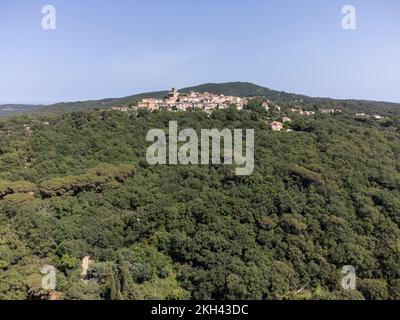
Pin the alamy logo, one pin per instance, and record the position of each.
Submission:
(349, 280)
(49, 18)
(49, 278)
(349, 20)
(191, 153)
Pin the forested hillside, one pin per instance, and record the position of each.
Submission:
(321, 197)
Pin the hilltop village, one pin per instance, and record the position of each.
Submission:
(208, 102)
(177, 101)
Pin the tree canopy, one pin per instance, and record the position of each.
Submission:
(321, 197)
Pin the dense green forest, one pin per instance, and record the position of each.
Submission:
(321, 197)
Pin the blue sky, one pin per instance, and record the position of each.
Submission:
(116, 48)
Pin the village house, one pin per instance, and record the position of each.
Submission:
(122, 108)
(301, 112)
(330, 111)
(364, 115)
(286, 119)
(266, 106)
(325, 111)
(173, 97)
(276, 126)
(151, 104)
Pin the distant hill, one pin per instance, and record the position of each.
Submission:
(241, 89)
(16, 109)
(100, 104)
(244, 89)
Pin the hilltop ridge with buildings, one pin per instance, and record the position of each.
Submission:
(177, 101)
(220, 94)
(208, 102)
